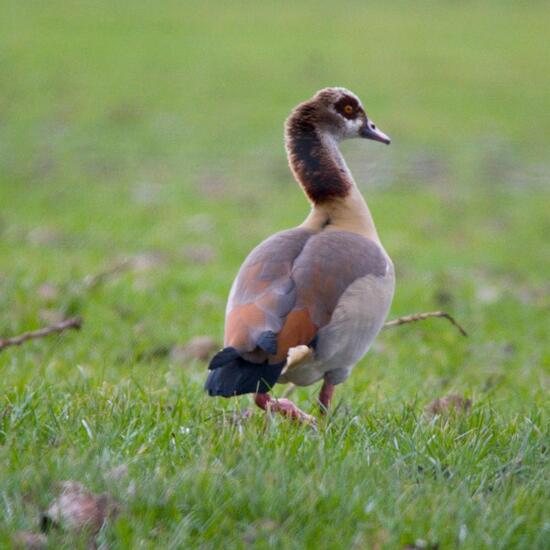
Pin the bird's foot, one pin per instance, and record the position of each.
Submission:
(285, 407)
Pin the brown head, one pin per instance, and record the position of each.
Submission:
(337, 112)
(312, 132)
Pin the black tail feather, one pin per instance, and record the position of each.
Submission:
(232, 375)
(223, 357)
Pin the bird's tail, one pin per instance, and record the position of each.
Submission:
(230, 374)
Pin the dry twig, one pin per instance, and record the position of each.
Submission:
(74, 323)
(421, 317)
(93, 281)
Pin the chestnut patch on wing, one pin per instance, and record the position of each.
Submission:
(242, 323)
(343, 105)
(298, 329)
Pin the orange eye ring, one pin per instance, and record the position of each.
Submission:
(348, 109)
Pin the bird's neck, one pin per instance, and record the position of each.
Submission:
(318, 166)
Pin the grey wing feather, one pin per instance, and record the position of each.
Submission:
(330, 262)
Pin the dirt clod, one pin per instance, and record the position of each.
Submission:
(27, 540)
(443, 406)
(75, 508)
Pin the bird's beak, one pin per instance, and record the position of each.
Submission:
(370, 131)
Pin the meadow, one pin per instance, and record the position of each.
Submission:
(151, 134)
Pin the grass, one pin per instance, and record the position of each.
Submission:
(156, 131)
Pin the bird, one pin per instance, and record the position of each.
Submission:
(308, 302)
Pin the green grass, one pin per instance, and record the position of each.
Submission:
(151, 128)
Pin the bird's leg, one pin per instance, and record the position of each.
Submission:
(325, 396)
(284, 407)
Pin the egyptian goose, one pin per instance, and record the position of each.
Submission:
(308, 302)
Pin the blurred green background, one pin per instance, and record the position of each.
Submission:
(153, 131)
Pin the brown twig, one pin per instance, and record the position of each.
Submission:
(88, 283)
(74, 323)
(421, 317)
(93, 281)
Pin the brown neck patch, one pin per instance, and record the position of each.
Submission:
(311, 162)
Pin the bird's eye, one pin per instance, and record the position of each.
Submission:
(348, 109)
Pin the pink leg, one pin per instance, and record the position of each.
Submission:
(325, 396)
(282, 406)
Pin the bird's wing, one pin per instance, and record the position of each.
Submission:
(264, 292)
(289, 287)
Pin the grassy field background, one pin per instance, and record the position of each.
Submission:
(153, 131)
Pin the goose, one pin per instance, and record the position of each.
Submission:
(308, 302)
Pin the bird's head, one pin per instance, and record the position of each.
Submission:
(339, 112)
